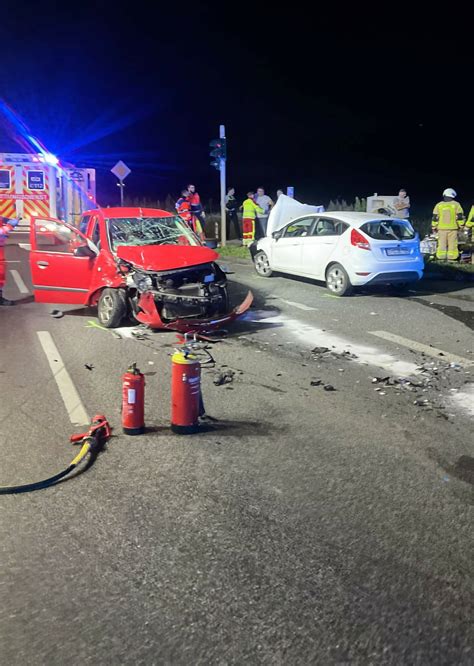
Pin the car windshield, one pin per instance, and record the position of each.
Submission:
(150, 231)
(386, 230)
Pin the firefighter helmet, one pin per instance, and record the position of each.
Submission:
(449, 192)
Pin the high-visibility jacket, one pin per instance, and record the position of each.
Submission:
(470, 218)
(448, 215)
(195, 201)
(183, 208)
(251, 209)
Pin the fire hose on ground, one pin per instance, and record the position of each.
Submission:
(187, 408)
(92, 442)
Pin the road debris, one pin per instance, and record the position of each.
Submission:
(139, 334)
(324, 353)
(316, 382)
(226, 377)
(329, 387)
(89, 366)
(57, 314)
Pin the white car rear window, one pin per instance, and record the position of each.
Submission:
(386, 230)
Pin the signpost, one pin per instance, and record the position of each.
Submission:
(223, 192)
(219, 157)
(121, 171)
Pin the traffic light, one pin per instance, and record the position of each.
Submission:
(218, 152)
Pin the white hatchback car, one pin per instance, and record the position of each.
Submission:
(344, 250)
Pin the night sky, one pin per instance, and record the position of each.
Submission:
(342, 103)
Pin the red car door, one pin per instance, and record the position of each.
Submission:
(57, 273)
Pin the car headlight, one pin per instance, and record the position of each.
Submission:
(143, 282)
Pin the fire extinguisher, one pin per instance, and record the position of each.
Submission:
(133, 401)
(185, 392)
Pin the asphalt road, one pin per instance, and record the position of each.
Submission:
(304, 526)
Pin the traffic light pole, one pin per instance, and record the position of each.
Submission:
(223, 191)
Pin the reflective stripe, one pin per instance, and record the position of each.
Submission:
(448, 215)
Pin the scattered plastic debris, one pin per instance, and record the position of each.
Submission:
(320, 350)
(316, 382)
(226, 377)
(323, 353)
(89, 366)
(139, 335)
(57, 314)
(329, 387)
(380, 380)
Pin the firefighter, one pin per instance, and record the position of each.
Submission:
(6, 225)
(250, 212)
(470, 219)
(448, 218)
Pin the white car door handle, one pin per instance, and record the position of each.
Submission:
(42, 264)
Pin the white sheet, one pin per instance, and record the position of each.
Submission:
(287, 209)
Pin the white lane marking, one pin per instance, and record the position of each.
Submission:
(300, 306)
(465, 400)
(418, 346)
(13, 261)
(69, 394)
(22, 288)
(25, 246)
(316, 337)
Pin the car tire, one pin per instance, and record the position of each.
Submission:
(224, 304)
(112, 307)
(337, 281)
(262, 265)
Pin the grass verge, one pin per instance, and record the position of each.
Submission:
(234, 251)
(449, 270)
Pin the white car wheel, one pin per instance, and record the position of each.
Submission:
(262, 265)
(338, 281)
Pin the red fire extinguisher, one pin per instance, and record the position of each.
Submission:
(185, 392)
(133, 401)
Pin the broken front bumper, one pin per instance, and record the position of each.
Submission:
(148, 314)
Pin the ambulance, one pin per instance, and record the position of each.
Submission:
(35, 185)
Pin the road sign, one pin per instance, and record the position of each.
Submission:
(121, 170)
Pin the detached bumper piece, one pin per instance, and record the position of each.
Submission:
(149, 315)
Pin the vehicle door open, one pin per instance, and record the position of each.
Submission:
(62, 262)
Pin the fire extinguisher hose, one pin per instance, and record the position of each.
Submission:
(92, 443)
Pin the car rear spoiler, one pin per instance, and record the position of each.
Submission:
(149, 315)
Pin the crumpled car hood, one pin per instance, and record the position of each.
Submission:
(165, 257)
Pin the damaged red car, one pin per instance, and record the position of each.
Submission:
(140, 263)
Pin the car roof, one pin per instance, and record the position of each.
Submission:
(131, 212)
(354, 219)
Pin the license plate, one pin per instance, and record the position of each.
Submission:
(397, 251)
